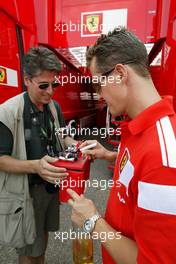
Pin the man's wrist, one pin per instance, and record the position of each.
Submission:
(34, 165)
(110, 156)
(99, 228)
(98, 225)
(89, 223)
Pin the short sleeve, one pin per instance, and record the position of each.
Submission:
(6, 140)
(155, 217)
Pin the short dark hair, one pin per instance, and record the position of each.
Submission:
(119, 46)
(39, 59)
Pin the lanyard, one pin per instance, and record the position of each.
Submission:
(46, 131)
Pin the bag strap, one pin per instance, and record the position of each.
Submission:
(59, 139)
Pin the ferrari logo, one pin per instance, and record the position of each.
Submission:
(124, 160)
(2, 75)
(92, 23)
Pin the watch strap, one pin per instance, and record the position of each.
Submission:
(95, 217)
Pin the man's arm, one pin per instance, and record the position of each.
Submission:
(42, 167)
(12, 165)
(122, 249)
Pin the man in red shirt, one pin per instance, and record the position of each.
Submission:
(142, 206)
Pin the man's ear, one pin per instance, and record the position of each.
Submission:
(121, 71)
(26, 80)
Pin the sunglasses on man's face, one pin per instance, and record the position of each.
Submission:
(98, 86)
(45, 85)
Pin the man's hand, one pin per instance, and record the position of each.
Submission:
(82, 208)
(68, 141)
(49, 172)
(98, 152)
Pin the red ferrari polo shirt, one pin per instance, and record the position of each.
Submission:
(143, 206)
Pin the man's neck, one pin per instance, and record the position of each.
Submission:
(39, 106)
(143, 94)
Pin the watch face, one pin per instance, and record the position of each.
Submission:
(88, 225)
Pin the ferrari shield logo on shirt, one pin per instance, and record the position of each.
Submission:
(124, 160)
(126, 170)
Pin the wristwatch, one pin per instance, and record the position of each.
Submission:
(89, 224)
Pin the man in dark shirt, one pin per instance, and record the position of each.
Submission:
(41, 67)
